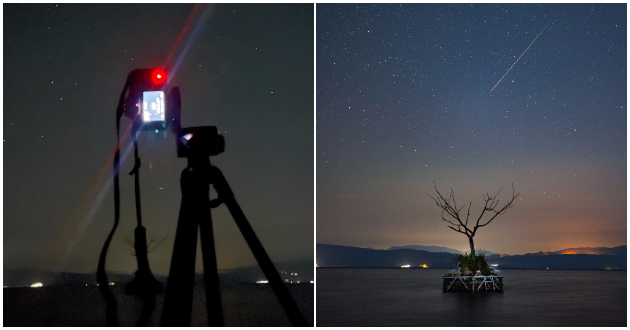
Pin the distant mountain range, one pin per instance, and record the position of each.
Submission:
(577, 258)
(349, 256)
(616, 251)
(301, 271)
(433, 248)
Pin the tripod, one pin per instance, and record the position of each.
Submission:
(195, 213)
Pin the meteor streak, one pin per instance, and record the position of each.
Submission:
(495, 86)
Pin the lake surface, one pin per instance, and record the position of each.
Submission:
(243, 305)
(414, 297)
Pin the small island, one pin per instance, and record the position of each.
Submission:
(474, 275)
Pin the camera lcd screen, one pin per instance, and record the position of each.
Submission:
(153, 106)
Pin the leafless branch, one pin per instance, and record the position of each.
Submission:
(149, 249)
(151, 245)
(451, 210)
(449, 206)
(129, 242)
(493, 208)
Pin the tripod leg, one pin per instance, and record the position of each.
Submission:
(271, 273)
(180, 283)
(210, 271)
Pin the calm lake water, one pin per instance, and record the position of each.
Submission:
(414, 297)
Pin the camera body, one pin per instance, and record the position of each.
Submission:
(146, 102)
(151, 108)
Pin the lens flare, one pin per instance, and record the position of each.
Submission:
(189, 38)
(67, 236)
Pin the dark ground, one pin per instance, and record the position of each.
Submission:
(243, 305)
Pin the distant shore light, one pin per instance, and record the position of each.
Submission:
(37, 285)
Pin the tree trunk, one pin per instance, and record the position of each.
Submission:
(472, 245)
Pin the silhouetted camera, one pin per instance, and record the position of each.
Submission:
(146, 103)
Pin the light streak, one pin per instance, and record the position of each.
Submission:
(64, 241)
(188, 38)
(184, 32)
(495, 86)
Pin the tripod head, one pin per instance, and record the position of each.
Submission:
(200, 141)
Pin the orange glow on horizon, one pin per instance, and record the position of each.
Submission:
(580, 251)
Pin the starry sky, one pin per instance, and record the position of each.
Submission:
(247, 69)
(404, 98)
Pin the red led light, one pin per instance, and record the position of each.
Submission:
(158, 76)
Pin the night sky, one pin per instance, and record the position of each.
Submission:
(247, 69)
(404, 99)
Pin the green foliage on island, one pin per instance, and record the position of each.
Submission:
(470, 263)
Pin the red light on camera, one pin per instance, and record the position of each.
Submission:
(158, 76)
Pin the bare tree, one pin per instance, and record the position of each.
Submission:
(449, 206)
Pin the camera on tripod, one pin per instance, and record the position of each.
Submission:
(152, 109)
(146, 102)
